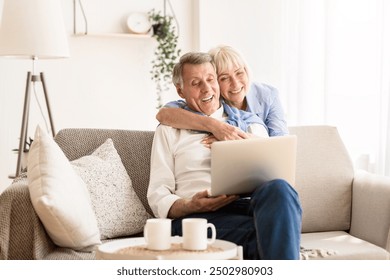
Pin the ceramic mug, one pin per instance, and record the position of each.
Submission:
(157, 234)
(195, 234)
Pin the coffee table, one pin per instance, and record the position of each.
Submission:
(135, 249)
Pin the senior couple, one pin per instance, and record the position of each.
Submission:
(268, 223)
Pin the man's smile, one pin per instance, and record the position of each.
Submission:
(208, 99)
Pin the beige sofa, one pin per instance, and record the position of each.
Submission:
(346, 214)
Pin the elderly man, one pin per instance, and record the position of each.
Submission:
(267, 224)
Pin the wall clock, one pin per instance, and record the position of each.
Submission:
(138, 23)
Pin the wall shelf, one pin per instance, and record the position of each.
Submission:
(86, 33)
(114, 35)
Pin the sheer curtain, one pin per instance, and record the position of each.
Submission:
(336, 71)
(385, 144)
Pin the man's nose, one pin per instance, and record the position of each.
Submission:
(206, 87)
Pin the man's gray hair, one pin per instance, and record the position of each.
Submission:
(195, 58)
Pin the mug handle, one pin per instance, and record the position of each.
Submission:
(146, 233)
(213, 234)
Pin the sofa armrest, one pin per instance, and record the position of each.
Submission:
(22, 235)
(371, 208)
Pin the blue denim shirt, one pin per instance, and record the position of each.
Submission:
(263, 100)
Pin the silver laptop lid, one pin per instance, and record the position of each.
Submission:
(238, 166)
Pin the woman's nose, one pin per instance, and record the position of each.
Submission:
(234, 82)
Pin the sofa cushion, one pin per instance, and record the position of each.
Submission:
(339, 245)
(118, 209)
(324, 174)
(59, 196)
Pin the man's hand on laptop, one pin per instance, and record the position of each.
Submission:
(200, 202)
(208, 140)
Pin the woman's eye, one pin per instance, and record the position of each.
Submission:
(223, 79)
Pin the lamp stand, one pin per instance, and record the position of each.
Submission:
(26, 108)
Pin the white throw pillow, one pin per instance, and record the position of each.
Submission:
(60, 197)
(118, 209)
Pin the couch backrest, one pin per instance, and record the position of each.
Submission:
(134, 148)
(323, 179)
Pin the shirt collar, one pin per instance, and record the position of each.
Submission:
(219, 114)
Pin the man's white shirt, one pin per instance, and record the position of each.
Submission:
(180, 164)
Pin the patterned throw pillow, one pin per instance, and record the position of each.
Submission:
(119, 211)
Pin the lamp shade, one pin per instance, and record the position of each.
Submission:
(33, 29)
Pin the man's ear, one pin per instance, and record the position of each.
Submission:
(179, 91)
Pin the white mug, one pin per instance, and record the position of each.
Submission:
(195, 234)
(157, 234)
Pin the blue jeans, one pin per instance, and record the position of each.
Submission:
(267, 224)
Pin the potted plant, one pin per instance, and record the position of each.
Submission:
(166, 53)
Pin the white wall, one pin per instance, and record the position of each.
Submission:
(104, 84)
(251, 26)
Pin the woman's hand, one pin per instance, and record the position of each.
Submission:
(223, 131)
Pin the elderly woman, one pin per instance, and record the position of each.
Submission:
(238, 91)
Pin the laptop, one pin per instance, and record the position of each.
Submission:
(238, 166)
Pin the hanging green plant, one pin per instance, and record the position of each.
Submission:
(166, 53)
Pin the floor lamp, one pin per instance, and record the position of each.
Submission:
(33, 29)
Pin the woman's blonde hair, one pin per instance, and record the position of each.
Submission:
(225, 57)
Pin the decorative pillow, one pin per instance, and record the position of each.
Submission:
(118, 209)
(60, 197)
